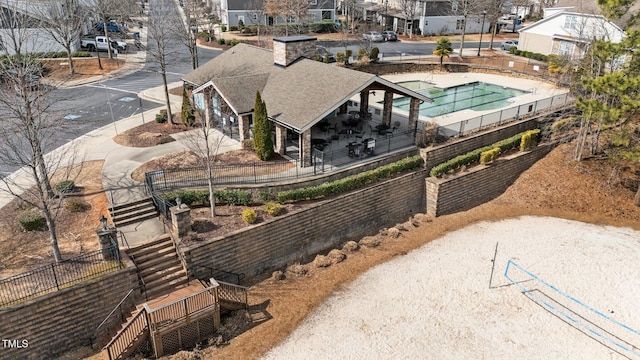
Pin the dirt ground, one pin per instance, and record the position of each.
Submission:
(58, 69)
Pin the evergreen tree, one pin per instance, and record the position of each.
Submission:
(262, 143)
(188, 118)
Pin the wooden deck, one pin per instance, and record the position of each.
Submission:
(178, 293)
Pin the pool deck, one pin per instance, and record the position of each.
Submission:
(537, 90)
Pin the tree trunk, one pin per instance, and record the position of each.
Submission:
(53, 238)
(166, 95)
(464, 31)
(636, 199)
(72, 70)
(212, 197)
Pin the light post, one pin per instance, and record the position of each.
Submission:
(484, 14)
(384, 20)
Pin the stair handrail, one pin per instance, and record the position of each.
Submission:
(239, 277)
(176, 247)
(233, 293)
(143, 285)
(119, 306)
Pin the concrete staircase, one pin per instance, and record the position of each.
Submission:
(158, 266)
(133, 212)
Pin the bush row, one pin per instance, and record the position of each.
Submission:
(223, 197)
(351, 182)
(473, 157)
(232, 42)
(528, 54)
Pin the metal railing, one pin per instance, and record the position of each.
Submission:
(218, 274)
(233, 174)
(503, 116)
(108, 328)
(57, 276)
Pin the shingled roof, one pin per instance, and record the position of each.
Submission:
(297, 96)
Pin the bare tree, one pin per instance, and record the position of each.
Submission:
(205, 143)
(287, 9)
(467, 8)
(187, 31)
(113, 9)
(409, 8)
(29, 126)
(494, 9)
(163, 20)
(64, 22)
(255, 10)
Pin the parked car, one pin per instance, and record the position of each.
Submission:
(111, 27)
(99, 43)
(323, 51)
(388, 35)
(372, 36)
(507, 44)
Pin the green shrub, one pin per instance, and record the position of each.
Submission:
(161, 117)
(473, 157)
(373, 54)
(561, 125)
(204, 35)
(76, 205)
(31, 220)
(223, 197)
(351, 182)
(249, 216)
(489, 155)
(65, 186)
(234, 42)
(322, 27)
(265, 196)
(362, 52)
(221, 41)
(223, 28)
(233, 28)
(233, 197)
(240, 24)
(348, 53)
(274, 209)
(529, 139)
(340, 57)
(81, 54)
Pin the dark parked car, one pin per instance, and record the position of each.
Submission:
(388, 35)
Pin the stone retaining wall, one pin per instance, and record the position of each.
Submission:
(471, 188)
(269, 246)
(57, 322)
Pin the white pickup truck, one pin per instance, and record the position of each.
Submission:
(100, 43)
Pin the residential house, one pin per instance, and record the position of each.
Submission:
(298, 92)
(251, 12)
(34, 39)
(567, 33)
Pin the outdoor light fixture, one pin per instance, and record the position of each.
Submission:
(103, 221)
(484, 14)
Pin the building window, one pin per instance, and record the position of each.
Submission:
(459, 24)
(565, 48)
(571, 22)
(291, 19)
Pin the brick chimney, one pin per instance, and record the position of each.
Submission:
(288, 49)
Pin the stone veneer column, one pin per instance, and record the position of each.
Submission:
(244, 127)
(305, 148)
(364, 103)
(107, 237)
(281, 139)
(181, 220)
(414, 111)
(388, 105)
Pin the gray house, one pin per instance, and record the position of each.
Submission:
(251, 12)
(299, 92)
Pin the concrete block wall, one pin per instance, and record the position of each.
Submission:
(466, 190)
(60, 321)
(298, 236)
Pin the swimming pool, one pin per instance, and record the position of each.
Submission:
(474, 96)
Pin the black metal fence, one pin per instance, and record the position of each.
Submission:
(57, 276)
(233, 174)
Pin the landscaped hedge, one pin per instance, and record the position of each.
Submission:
(350, 183)
(489, 155)
(529, 139)
(528, 54)
(223, 197)
(31, 220)
(473, 157)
